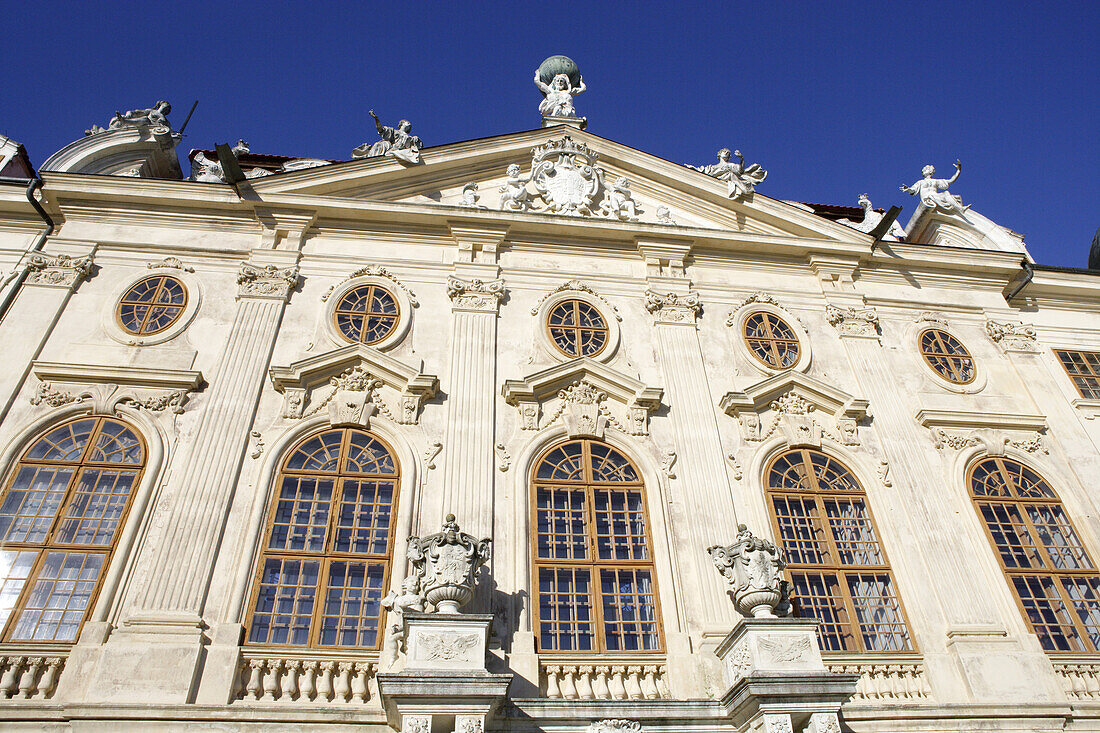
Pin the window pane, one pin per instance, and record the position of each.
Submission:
(96, 506)
(366, 314)
(819, 596)
(629, 616)
(1084, 594)
(1058, 537)
(1083, 367)
(59, 596)
(801, 530)
(301, 514)
(560, 517)
(564, 463)
(1047, 613)
(65, 443)
(565, 610)
(32, 503)
(363, 518)
(609, 464)
(284, 604)
(853, 533)
(353, 603)
(878, 613)
(116, 443)
(1010, 535)
(15, 568)
(620, 525)
(319, 453)
(367, 454)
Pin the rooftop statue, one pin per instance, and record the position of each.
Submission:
(513, 194)
(928, 190)
(396, 141)
(740, 180)
(470, 197)
(157, 116)
(618, 201)
(559, 80)
(871, 219)
(209, 170)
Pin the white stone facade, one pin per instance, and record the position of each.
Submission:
(468, 390)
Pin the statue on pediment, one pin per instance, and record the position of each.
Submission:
(398, 142)
(933, 193)
(156, 116)
(740, 179)
(513, 194)
(871, 219)
(470, 197)
(618, 201)
(559, 95)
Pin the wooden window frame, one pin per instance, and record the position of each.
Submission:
(574, 331)
(366, 315)
(836, 568)
(46, 547)
(945, 340)
(771, 340)
(1091, 378)
(592, 563)
(326, 557)
(153, 306)
(1047, 570)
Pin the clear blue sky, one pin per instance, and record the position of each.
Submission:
(834, 99)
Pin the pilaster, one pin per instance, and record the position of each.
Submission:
(51, 279)
(166, 619)
(701, 484)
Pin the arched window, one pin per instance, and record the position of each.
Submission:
(1049, 570)
(840, 573)
(771, 340)
(62, 512)
(327, 543)
(577, 328)
(593, 559)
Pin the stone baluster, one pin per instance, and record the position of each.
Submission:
(306, 684)
(271, 679)
(633, 685)
(27, 683)
(649, 682)
(553, 691)
(359, 683)
(255, 673)
(343, 681)
(662, 682)
(324, 686)
(615, 683)
(599, 684)
(584, 682)
(11, 675)
(372, 683)
(288, 689)
(568, 689)
(49, 677)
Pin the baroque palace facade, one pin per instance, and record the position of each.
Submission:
(238, 409)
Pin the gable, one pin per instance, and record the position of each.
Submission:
(693, 199)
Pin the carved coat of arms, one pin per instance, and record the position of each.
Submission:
(566, 176)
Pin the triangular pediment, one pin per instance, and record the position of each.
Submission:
(822, 396)
(694, 200)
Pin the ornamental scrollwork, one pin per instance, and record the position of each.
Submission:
(753, 569)
(851, 321)
(758, 297)
(579, 286)
(1014, 335)
(447, 563)
(267, 281)
(377, 271)
(615, 725)
(673, 307)
(171, 263)
(475, 294)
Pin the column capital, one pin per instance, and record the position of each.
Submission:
(475, 294)
(857, 321)
(266, 281)
(57, 270)
(673, 308)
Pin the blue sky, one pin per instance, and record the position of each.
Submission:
(834, 99)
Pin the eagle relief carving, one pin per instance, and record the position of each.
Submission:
(792, 649)
(447, 647)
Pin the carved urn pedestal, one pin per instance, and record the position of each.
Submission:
(778, 682)
(445, 684)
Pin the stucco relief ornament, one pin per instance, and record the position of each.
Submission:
(615, 725)
(397, 142)
(753, 568)
(475, 293)
(853, 321)
(43, 269)
(619, 202)
(1011, 335)
(566, 176)
(933, 193)
(740, 180)
(447, 563)
(681, 308)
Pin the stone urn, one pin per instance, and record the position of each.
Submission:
(753, 569)
(447, 563)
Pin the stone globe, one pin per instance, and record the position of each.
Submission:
(555, 65)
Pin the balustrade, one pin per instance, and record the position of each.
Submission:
(28, 676)
(899, 679)
(590, 680)
(305, 679)
(1080, 678)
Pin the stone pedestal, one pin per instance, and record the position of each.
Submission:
(445, 683)
(578, 122)
(778, 682)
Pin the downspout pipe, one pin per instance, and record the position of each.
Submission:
(20, 273)
(1029, 272)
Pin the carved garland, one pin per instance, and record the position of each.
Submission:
(577, 285)
(377, 271)
(993, 440)
(802, 420)
(757, 297)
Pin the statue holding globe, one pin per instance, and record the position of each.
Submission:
(559, 80)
